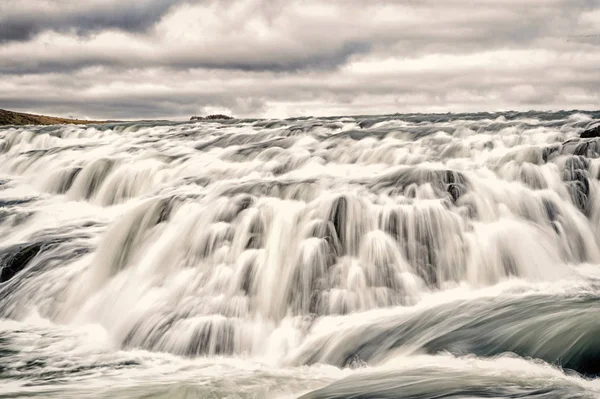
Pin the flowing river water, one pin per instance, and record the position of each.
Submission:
(400, 256)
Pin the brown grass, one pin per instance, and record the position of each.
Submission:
(19, 118)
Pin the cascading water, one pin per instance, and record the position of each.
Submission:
(404, 256)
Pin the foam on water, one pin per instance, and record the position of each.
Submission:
(396, 256)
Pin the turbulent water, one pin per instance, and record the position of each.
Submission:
(401, 256)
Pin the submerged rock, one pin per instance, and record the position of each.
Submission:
(585, 147)
(576, 178)
(16, 259)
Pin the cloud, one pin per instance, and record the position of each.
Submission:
(281, 58)
(21, 20)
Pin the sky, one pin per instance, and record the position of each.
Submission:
(171, 59)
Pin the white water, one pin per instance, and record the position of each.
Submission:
(271, 258)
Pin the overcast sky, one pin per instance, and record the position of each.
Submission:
(279, 58)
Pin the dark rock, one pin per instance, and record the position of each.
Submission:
(455, 191)
(551, 210)
(5, 203)
(591, 133)
(576, 178)
(16, 259)
(581, 149)
(326, 231)
(247, 270)
(256, 234)
(588, 148)
(166, 208)
(548, 152)
(575, 163)
(211, 117)
(338, 217)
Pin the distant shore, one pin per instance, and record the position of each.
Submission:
(19, 118)
(8, 118)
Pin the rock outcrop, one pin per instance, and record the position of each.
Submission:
(211, 117)
(591, 133)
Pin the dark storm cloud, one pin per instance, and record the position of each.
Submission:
(109, 59)
(23, 21)
(321, 61)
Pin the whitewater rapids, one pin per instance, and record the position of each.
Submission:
(400, 256)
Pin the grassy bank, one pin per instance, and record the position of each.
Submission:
(19, 118)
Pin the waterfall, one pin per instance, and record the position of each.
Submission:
(362, 245)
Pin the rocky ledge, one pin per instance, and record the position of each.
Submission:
(211, 117)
